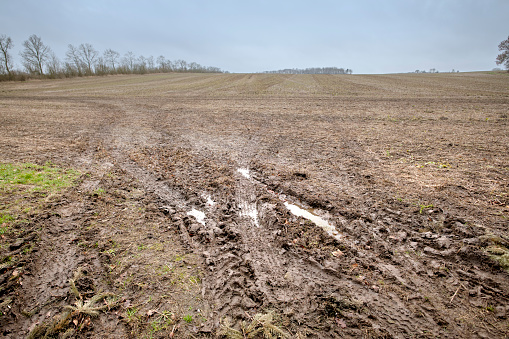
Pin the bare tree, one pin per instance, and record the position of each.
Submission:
(161, 61)
(101, 66)
(5, 57)
(111, 57)
(35, 54)
(88, 56)
(74, 59)
(194, 67)
(129, 60)
(150, 62)
(54, 65)
(181, 65)
(142, 64)
(503, 58)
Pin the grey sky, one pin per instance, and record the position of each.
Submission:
(368, 36)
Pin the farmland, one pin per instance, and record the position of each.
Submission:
(410, 170)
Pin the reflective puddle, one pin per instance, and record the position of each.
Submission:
(250, 210)
(244, 172)
(307, 214)
(210, 202)
(198, 215)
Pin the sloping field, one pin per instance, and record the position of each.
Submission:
(207, 205)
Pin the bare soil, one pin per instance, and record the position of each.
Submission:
(412, 170)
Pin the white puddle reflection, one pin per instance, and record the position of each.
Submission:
(198, 215)
(249, 210)
(300, 212)
(244, 172)
(210, 202)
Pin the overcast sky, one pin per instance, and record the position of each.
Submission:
(368, 36)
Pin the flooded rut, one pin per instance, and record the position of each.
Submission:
(198, 215)
(297, 209)
(310, 215)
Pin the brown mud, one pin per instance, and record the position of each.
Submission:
(411, 170)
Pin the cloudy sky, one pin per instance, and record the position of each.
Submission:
(368, 36)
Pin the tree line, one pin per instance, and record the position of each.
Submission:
(313, 70)
(38, 60)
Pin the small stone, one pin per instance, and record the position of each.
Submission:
(337, 253)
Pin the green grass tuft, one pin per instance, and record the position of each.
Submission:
(32, 178)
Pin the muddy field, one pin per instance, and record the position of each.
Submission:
(183, 220)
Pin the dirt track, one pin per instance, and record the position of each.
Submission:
(412, 171)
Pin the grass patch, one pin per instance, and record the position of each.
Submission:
(32, 178)
(6, 218)
(499, 254)
(25, 186)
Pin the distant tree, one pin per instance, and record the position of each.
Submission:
(101, 66)
(35, 54)
(314, 70)
(88, 56)
(503, 58)
(181, 65)
(74, 61)
(161, 62)
(54, 65)
(194, 67)
(142, 64)
(129, 60)
(111, 57)
(5, 57)
(150, 63)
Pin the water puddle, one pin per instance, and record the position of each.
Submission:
(210, 202)
(198, 215)
(249, 210)
(307, 214)
(298, 210)
(244, 172)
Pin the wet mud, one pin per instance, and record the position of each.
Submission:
(205, 201)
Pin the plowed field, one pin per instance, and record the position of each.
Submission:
(179, 222)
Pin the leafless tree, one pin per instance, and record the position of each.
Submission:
(150, 62)
(88, 56)
(5, 57)
(181, 65)
(74, 60)
(161, 62)
(503, 58)
(101, 66)
(54, 65)
(313, 70)
(111, 57)
(194, 67)
(35, 54)
(129, 60)
(142, 65)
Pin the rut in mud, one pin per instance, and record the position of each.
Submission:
(186, 209)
